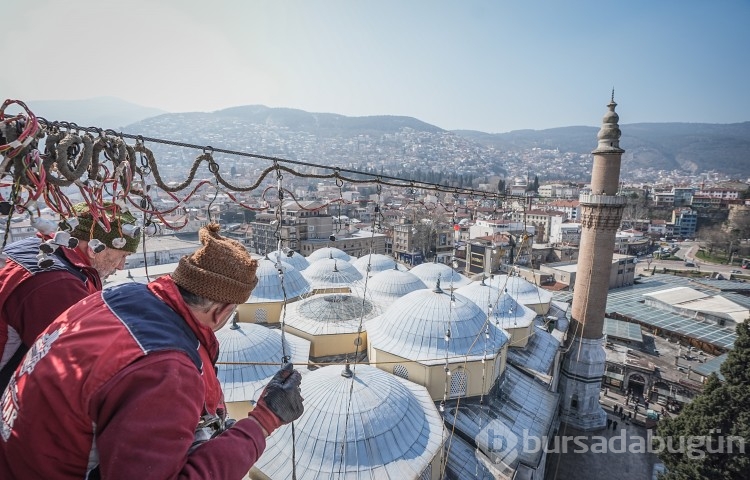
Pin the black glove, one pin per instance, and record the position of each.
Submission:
(281, 400)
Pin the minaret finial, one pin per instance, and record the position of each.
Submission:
(613, 94)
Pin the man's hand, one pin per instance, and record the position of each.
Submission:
(281, 400)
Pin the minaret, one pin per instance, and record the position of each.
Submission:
(601, 212)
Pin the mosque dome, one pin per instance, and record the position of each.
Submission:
(296, 260)
(429, 273)
(415, 326)
(250, 354)
(331, 313)
(328, 252)
(482, 293)
(378, 262)
(269, 283)
(331, 273)
(386, 286)
(374, 425)
(523, 291)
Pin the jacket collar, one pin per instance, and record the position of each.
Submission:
(167, 291)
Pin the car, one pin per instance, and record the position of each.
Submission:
(736, 271)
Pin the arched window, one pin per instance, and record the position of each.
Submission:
(459, 379)
(401, 371)
(261, 315)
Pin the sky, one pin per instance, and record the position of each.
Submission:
(494, 66)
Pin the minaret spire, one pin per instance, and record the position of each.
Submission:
(601, 212)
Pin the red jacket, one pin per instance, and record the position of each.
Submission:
(31, 297)
(116, 387)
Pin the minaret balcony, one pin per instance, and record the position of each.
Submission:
(610, 200)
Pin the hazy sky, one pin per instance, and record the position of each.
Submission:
(486, 65)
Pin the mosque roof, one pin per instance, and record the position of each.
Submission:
(330, 314)
(430, 272)
(415, 326)
(507, 312)
(524, 291)
(331, 273)
(388, 285)
(521, 406)
(373, 425)
(269, 287)
(328, 252)
(296, 260)
(378, 263)
(250, 355)
(538, 354)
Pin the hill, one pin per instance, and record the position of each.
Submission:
(103, 112)
(690, 147)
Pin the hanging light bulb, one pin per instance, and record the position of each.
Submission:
(453, 300)
(487, 332)
(448, 335)
(442, 406)
(132, 231)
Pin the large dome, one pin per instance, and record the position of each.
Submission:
(373, 425)
(483, 293)
(430, 272)
(328, 252)
(524, 291)
(295, 259)
(269, 283)
(329, 314)
(249, 355)
(378, 263)
(331, 273)
(386, 286)
(414, 327)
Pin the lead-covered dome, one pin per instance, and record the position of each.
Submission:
(524, 291)
(377, 262)
(331, 313)
(331, 273)
(328, 252)
(292, 258)
(429, 273)
(373, 425)
(269, 288)
(386, 286)
(490, 296)
(249, 355)
(414, 327)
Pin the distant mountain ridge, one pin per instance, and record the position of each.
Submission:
(102, 112)
(689, 147)
(326, 124)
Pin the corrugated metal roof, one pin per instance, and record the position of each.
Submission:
(269, 283)
(328, 252)
(378, 263)
(330, 314)
(430, 272)
(711, 366)
(414, 327)
(371, 426)
(331, 273)
(622, 330)
(250, 355)
(673, 296)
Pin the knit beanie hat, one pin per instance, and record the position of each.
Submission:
(86, 220)
(221, 270)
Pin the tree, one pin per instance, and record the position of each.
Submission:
(535, 185)
(720, 416)
(501, 186)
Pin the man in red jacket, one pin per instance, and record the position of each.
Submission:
(123, 384)
(33, 293)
